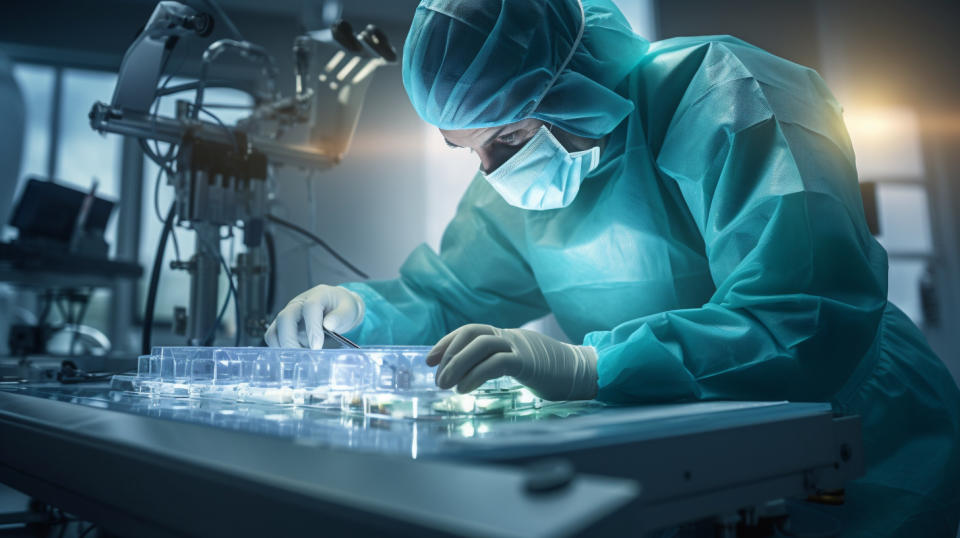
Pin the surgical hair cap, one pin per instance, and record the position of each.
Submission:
(482, 63)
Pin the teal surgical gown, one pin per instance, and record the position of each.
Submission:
(719, 251)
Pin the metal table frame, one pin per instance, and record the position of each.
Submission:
(152, 477)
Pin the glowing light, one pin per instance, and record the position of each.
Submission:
(414, 442)
(337, 58)
(365, 71)
(347, 68)
(525, 396)
(886, 142)
(467, 403)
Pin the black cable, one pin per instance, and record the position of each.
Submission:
(156, 194)
(158, 94)
(156, 190)
(187, 86)
(316, 239)
(173, 151)
(272, 262)
(87, 531)
(64, 311)
(229, 133)
(78, 321)
(155, 282)
(228, 106)
(160, 161)
(47, 299)
(163, 163)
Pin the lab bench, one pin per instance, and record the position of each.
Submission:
(152, 465)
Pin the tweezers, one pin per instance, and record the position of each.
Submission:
(340, 339)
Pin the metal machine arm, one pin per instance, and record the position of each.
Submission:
(221, 172)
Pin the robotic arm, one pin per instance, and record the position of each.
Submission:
(221, 172)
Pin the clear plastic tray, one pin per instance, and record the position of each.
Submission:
(388, 382)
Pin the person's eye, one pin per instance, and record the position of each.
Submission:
(452, 145)
(515, 138)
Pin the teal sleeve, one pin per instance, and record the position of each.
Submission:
(758, 151)
(478, 277)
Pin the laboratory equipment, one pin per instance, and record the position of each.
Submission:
(53, 216)
(219, 173)
(387, 382)
(61, 255)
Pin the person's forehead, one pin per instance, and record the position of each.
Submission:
(483, 135)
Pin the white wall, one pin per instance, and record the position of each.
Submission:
(370, 208)
(641, 15)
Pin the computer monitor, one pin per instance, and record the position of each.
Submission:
(48, 210)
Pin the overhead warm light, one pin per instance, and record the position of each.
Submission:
(886, 142)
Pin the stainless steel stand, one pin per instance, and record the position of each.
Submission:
(204, 283)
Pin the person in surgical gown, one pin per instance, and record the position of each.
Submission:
(688, 210)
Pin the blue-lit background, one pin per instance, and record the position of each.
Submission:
(890, 65)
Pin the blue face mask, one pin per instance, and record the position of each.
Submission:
(543, 174)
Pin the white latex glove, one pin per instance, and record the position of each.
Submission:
(336, 308)
(553, 370)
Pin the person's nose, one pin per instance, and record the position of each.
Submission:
(487, 161)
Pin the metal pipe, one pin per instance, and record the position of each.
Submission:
(204, 283)
(247, 50)
(252, 275)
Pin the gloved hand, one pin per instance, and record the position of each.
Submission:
(336, 308)
(553, 370)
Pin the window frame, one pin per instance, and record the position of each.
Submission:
(122, 318)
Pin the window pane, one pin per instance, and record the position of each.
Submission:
(447, 175)
(904, 286)
(213, 98)
(640, 15)
(36, 85)
(904, 218)
(228, 114)
(83, 154)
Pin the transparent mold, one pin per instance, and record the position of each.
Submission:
(383, 382)
(446, 403)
